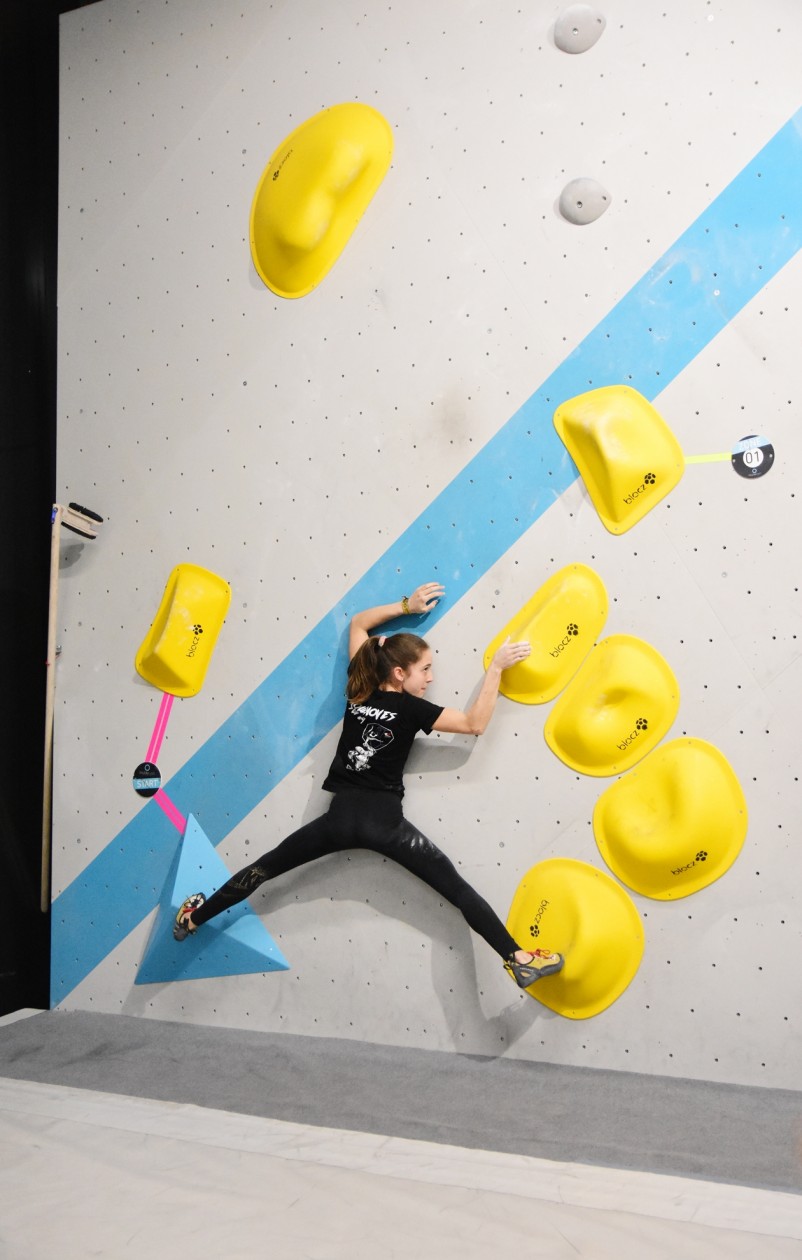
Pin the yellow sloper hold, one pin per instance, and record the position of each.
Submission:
(313, 192)
(176, 651)
(615, 710)
(582, 913)
(625, 452)
(562, 621)
(676, 823)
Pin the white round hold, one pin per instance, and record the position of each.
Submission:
(583, 201)
(578, 28)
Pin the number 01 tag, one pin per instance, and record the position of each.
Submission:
(753, 456)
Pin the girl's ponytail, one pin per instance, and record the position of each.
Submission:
(364, 675)
(374, 662)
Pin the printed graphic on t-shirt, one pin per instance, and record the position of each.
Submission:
(375, 736)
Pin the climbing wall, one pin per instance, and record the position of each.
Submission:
(575, 200)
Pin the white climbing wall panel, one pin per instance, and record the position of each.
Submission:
(287, 446)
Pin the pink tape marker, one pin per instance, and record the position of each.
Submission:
(176, 817)
(159, 729)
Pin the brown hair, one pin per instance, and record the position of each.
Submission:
(375, 660)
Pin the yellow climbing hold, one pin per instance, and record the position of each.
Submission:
(562, 621)
(616, 709)
(313, 192)
(674, 824)
(582, 913)
(176, 651)
(625, 452)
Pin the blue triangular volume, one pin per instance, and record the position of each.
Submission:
(233, 944)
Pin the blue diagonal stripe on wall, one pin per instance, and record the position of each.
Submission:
(748, 233)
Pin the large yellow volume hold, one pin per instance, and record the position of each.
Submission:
(313, 192)
(625, 452)
(561, 621)
(583, 914)
(675, 823)
(616, 709)
(176, 651)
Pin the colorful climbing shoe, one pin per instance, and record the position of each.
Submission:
(183, 926)
(544, 963)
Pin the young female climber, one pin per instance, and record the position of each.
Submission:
(387, 680)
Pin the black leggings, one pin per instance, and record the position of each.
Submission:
(366, 820)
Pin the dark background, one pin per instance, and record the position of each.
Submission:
(29, 46)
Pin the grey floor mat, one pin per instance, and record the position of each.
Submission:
(726, 1133)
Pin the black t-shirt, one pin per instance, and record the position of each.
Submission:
(375, 741)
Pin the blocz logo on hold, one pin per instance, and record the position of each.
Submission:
(277, 171)
(571, 632)
(534, 930)
(648, 480)
(197, 631)
(701, 856)
(640, 726)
